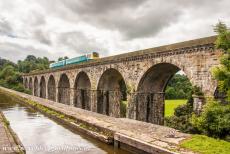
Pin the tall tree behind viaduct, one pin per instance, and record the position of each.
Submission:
(144, 74)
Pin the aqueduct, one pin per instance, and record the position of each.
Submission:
(139, 77)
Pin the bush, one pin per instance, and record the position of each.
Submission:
(214, 120)
(181, 119)
(20, 88)
(182, 115)
(181, 123)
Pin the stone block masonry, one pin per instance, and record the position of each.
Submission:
(138, 79)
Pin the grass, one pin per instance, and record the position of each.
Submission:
(170, 105)
(206, 145)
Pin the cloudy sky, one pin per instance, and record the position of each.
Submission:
(55, 28)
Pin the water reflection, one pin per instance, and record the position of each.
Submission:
(41, 135)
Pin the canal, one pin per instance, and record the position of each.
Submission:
(41, 135)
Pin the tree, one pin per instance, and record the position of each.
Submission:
(4, 62)
(32, 63)
(62, 58)
(222, 73)
(31, 58)
(179, 87)
(215, 118)
(10, 73)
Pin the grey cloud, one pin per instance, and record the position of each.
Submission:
(137, 18)
(36, 19)
(42, 37)
(100, 6)
(5, 27)
(15, 52)
(132, 18)
(80, 44)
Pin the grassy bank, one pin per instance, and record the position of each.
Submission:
(206, 145)
(170, 105)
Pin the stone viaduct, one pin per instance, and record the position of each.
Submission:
(139, 77)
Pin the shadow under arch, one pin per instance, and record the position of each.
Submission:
(150, 95)
(51, 88)
(31, 84)
(26, 83)
(35, 86)
(111, 92)
(64, 90)
(82, 91)
(43, 87)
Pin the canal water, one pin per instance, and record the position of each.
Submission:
(41, 135)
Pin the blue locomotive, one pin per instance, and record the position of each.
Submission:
(75, 60)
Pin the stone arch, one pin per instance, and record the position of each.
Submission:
(156, 77)
(111, 91)
(31, 84)
(35, 86)
(43, 87)
(149, 98)
(82, 91)
(26, 83)
(51, 88)
(64, 89)
(186, 68)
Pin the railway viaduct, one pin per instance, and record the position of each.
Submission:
(139, 77)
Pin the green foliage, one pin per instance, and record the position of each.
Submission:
(214, 120)
(223, 39)
(62, 58)
(179, 87)
(31, 63)
(182, 115)
(206, 145)
(222, 73)
(181, 123)
(10, 73)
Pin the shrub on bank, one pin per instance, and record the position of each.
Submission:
(21, 88)
(182, 115)
(214, 120)
(18, 87)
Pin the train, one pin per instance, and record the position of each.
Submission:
(75, 60)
